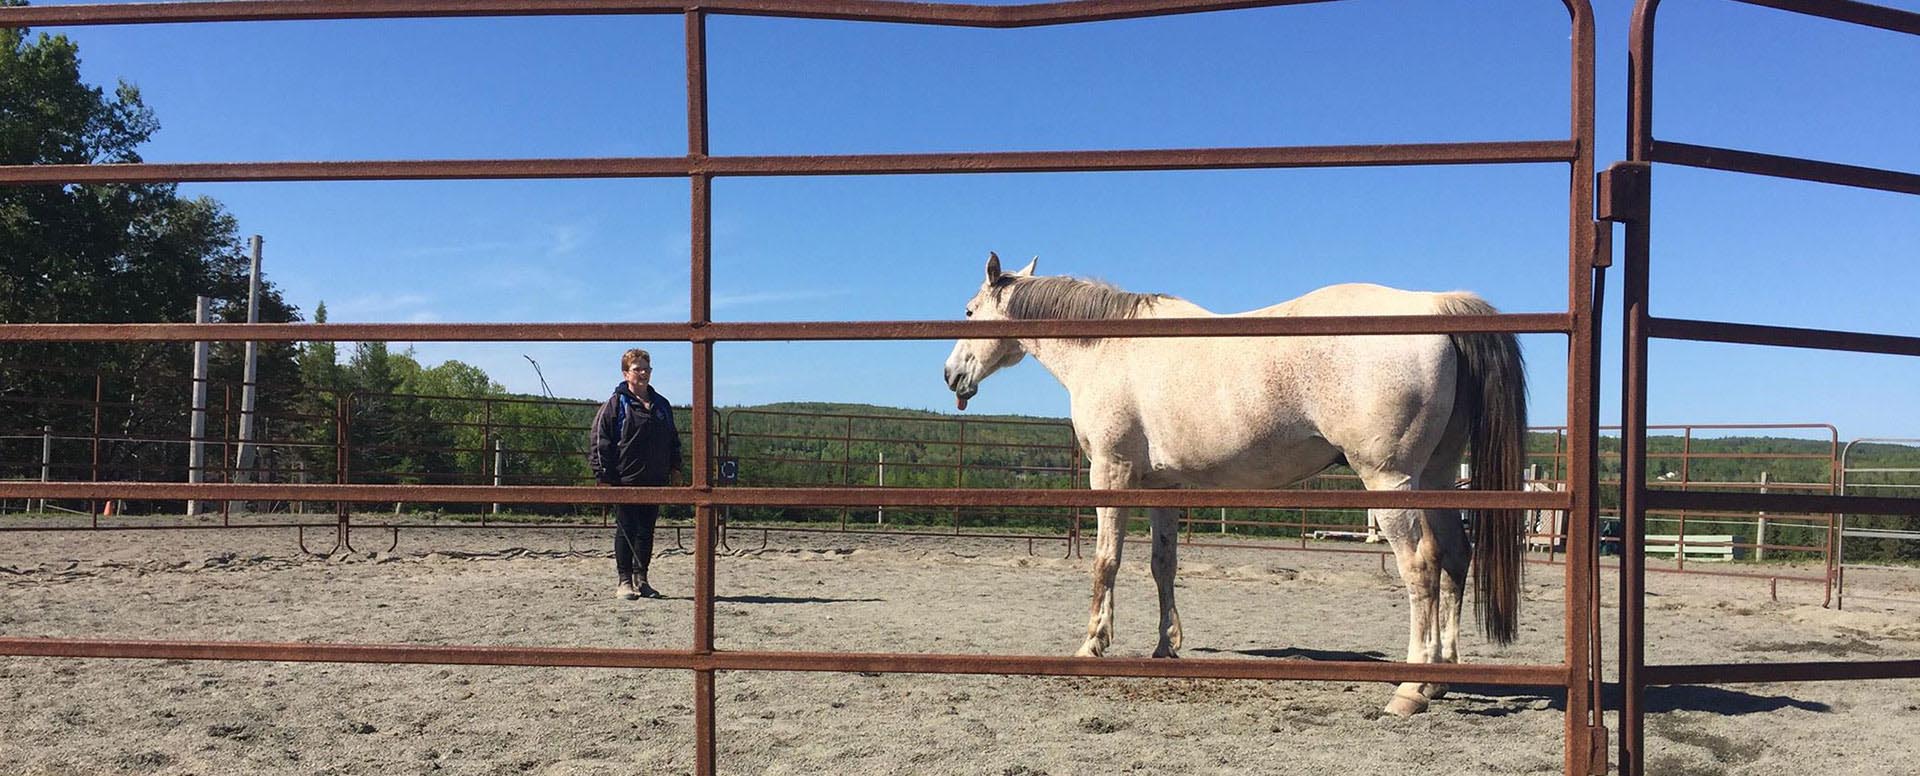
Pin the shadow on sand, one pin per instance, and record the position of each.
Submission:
(1659, 700)
(1717, 700)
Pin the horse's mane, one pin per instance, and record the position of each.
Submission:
(1062, 297)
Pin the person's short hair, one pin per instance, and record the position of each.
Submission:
(632, 356)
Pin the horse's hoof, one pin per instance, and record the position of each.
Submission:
(1433, 692)
(1089, 649)
(1167, 652)
(1406, 704)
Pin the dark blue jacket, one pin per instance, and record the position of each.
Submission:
(632, 445)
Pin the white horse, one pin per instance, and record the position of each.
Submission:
(1267, 412)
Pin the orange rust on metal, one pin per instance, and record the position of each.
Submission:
(1730, 160)
(989, 16)
(1864, 14)
(1782, 336)
(1511, 152)
(1806, 503)
(728, 660)
(1578, 323)
(1516, 323)
(799, 497)
(1640, 326)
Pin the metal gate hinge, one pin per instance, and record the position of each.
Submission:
(1624, 194)
(1602, 246)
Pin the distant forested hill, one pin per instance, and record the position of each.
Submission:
(843, 444)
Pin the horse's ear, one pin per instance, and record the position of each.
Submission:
(1027, 272)
(993, 267)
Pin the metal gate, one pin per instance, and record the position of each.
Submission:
(1884, 481)
(1576, 674)
(1625, 196)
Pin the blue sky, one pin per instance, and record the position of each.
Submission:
(911, 247)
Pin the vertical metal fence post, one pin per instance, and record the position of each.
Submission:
(99, 390)
(342, 450)
(499, 465)
(197, 426)
(46, 460)
(700, 171)
(1584, 719)
(960, 470)
(1633, 420)
(249, 389)
(846, 467)
(700, 311)
(226, 450)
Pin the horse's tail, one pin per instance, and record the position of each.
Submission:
(1492, 392)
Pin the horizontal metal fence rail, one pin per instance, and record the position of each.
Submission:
(707, 333)
(820, 165)
(1752, 163)
(1010, 16)
(798, 497)
(1584, 731)
(1626, 198)
(746, 660)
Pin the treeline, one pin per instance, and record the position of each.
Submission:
(823, 444)
(447, 424)
(107, 253)
(837, 444)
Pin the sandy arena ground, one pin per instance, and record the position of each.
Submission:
(868, 594)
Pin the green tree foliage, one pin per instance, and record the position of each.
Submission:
(109, 253)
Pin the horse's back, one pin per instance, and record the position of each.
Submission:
(1364, 299)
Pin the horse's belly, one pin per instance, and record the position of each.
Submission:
(1268, 464)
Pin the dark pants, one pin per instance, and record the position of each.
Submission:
(633, 538)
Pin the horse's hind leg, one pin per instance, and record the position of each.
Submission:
(1105, 474)
(1414, 551)
(1166, 546)
(1450, 543)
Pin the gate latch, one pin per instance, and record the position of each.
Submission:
(1597, 762)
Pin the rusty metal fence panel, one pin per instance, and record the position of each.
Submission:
(1577, 674)
(1625, 197)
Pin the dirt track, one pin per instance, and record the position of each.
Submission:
(858, 594)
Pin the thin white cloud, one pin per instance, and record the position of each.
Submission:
(565, 239)
(379, 304)
(723, 301)
(429, 251)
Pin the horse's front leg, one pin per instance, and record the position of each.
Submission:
(1105, 475)
(1166, 563)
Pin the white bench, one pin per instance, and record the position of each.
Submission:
(1710, 547)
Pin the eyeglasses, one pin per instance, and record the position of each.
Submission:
(646, 369)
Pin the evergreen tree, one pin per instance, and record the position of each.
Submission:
(108, 254)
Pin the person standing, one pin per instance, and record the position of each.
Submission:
(634, 443)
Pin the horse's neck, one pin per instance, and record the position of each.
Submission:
(1065, 359)
(1071, 359)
